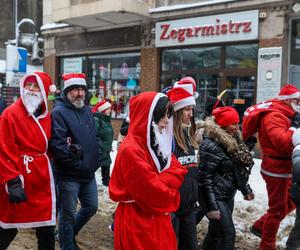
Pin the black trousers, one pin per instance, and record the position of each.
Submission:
(221, 233)
(293, 241)
(105, 173)
(45, 236)
(185, 230)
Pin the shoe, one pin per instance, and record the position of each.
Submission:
(255, 231)
(111, 227)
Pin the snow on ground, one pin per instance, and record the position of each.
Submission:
(246, 212)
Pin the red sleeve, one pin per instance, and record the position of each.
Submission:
(9, 151)
(277, 129)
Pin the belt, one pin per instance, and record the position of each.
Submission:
(275, 174)
(282, 158)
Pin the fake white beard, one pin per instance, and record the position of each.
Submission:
(32, 100)
(295, 107)
(164, 141)
(78, 103)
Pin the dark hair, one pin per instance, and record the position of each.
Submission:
(163, 105)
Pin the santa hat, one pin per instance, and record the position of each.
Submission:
(42, 79)
(73, 80)
(101, 106)
(189, 84)
(181, 98)
(289, 91)
(226, 116)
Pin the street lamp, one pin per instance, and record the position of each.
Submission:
(26, 39)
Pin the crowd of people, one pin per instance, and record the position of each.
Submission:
(170, 170)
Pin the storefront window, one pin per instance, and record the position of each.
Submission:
(191, 59)
(294, 74)
(242, 56)
(112, 77)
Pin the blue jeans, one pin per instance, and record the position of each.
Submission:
(71, 220)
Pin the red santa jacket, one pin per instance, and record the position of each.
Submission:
(275, 137)
(23, 152)
(145, 194)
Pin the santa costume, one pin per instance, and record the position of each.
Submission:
(23, 152)
(146, 192)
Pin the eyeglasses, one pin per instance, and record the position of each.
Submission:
(34, 86)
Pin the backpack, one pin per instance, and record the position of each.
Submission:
(252, 118)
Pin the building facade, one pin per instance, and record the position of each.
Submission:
(125, 47)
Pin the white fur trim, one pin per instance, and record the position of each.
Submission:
(286, 97)
(52, 88)
(189, 101)
(104, 107)
(170, 125)
(75, 82)
(296, 148)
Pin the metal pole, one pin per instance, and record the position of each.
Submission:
(16, 22)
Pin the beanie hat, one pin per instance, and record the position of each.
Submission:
(189, 84)
(226, 116)
(289, 91)
(73, 80)
(40, 78)
(101, 106)
(181, 98)
(161, 108)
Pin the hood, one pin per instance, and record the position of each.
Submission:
(43, 92)
(141, 114)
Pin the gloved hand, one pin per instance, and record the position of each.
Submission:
(296, 121)
(250, 142)
(76, 151)
(16, 192)
(214, 215)
(296, 137)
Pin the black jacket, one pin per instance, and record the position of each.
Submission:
(219, 175)
(189, 189)
(3, 104)
(295, 189)
(79, 125)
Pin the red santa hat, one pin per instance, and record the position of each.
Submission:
(101, 106)
(73, 80)
(226, 116)
(189, 84)
(181, 98)
(42, 79)
(289, 91)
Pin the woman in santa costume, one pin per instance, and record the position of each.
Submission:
(146, 177)
(224, 168)
(27, 193)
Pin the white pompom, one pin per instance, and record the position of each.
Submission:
(52, 88)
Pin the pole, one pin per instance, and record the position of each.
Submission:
(16, 23)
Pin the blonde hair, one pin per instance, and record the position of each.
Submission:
(178, 132)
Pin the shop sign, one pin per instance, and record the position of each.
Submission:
(268, 73)
(238, 26)
(72, 65)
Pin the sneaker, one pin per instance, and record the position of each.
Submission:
(255, 231)
(111, 227)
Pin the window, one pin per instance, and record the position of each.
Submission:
(242, 56)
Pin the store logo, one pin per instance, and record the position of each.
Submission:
(206, 30)
(269, 56)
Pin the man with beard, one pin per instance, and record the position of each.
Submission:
(146, 177)
(273, 120)
(75, 159)
(27, 193)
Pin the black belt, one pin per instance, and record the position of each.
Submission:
(279, 158)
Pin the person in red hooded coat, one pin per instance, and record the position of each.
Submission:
(27, 193)
(146, 177)
(275, 136)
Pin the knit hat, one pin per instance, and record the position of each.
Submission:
(189, 84)
(40, 78)
(101, 106)
(181, 98)
(289, 91)
(226, 116)
(73, 80)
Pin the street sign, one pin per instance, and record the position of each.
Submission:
(22, 53)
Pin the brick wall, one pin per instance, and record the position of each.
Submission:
(274, 42)
(149, 69)
(116, 124)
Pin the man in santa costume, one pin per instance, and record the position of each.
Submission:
(146, 177)
(275, 130)
(75, 159)
(27, 193)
